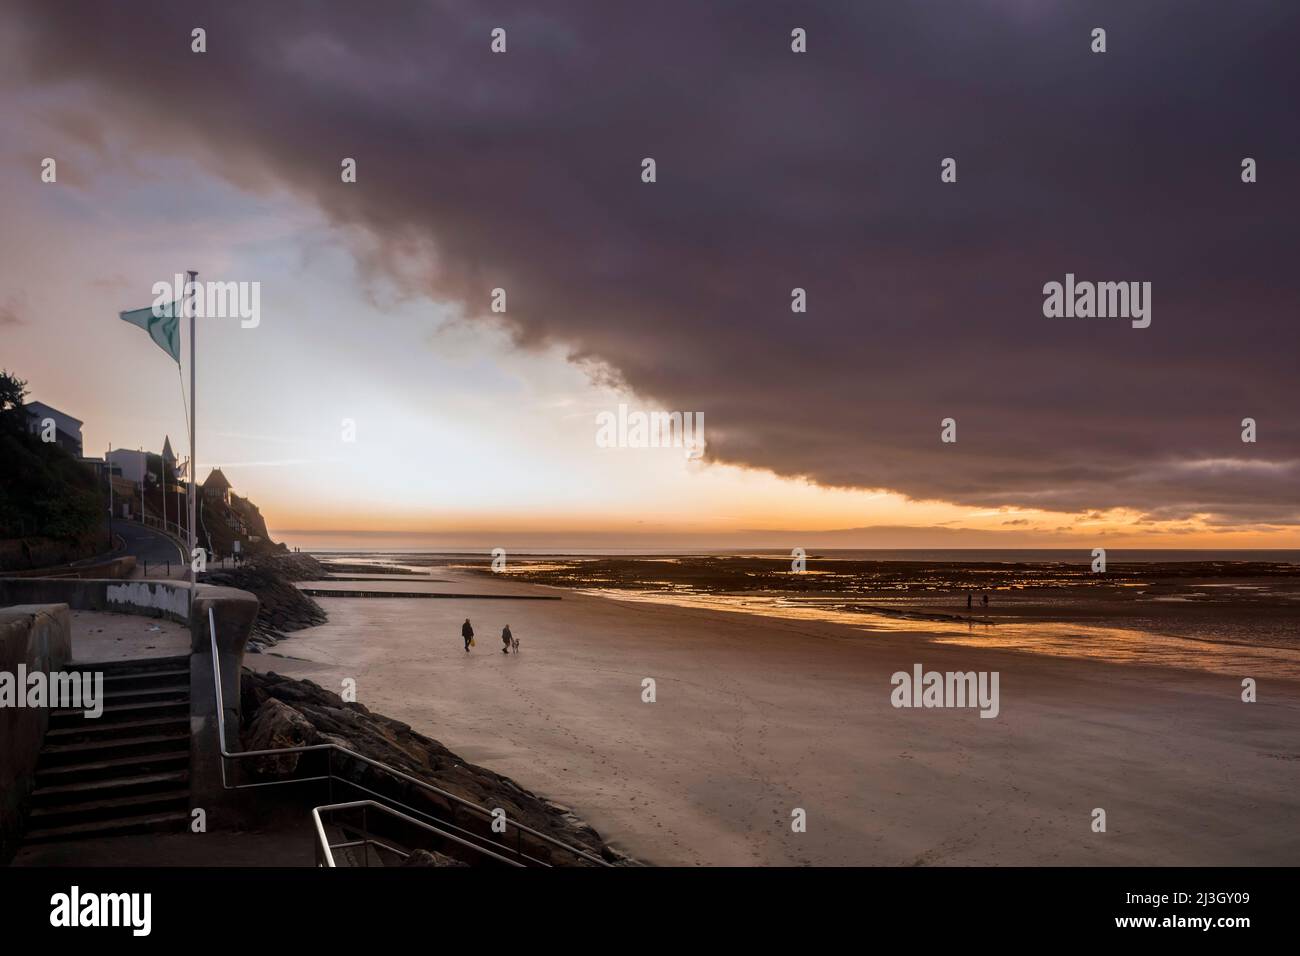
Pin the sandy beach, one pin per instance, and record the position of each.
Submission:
(756, 717)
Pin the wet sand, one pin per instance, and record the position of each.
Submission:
(758, 716)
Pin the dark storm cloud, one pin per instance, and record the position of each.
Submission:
(821, 171)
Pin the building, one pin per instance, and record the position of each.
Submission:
(217, 488)
(67, 430)
(129, 463)
(101, 467)
(169, 459)
(126, 498)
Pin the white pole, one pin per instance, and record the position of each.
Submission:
(194, 460)
(144, 476)
(180, 528)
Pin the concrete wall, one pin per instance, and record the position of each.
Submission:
(39, 636)
(233, 612)
(149, 597)
(170, 599)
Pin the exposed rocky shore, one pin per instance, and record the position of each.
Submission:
(282, 607)
(281, 712)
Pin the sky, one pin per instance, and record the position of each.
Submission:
(775, 170)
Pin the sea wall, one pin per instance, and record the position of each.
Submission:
(136, 597)
(170, 599)
(39, 637)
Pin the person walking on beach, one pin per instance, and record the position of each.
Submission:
(968, 598)
(506, 638)
(467, 632)
(986, 600)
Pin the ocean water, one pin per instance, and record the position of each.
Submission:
(441, 546)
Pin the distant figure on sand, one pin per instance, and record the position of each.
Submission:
(506, 639)
(986, 600)
(968, 597)
(467, 632)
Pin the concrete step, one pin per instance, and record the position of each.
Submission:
(121, 681)
(70, 773)
(104, 730)
(110, 786)
(359, 856)
(135, 666)
(343, 856)
(132, 711)
(161, 692)
(104, 807)
(180, 674)
(126, 771)
(388, 857)
(174, 821)
(112, 747)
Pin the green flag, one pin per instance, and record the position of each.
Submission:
(161, 324)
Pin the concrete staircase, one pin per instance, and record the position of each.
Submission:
(126, 771)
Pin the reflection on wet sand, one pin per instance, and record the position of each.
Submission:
(1123, 645)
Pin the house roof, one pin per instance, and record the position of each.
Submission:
(32, 406)
(216, 480)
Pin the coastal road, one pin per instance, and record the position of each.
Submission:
(146, 544)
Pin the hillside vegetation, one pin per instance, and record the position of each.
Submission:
(51, 510)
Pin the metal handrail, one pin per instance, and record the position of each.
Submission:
(326, 847)
(172, 529)
(488, 843)
(520, 828)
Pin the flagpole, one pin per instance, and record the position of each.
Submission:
(108, 462)
(193, 432)
(181, 531)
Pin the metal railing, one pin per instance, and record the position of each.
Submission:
(172, 529)
(324, 848)
(456, 803)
